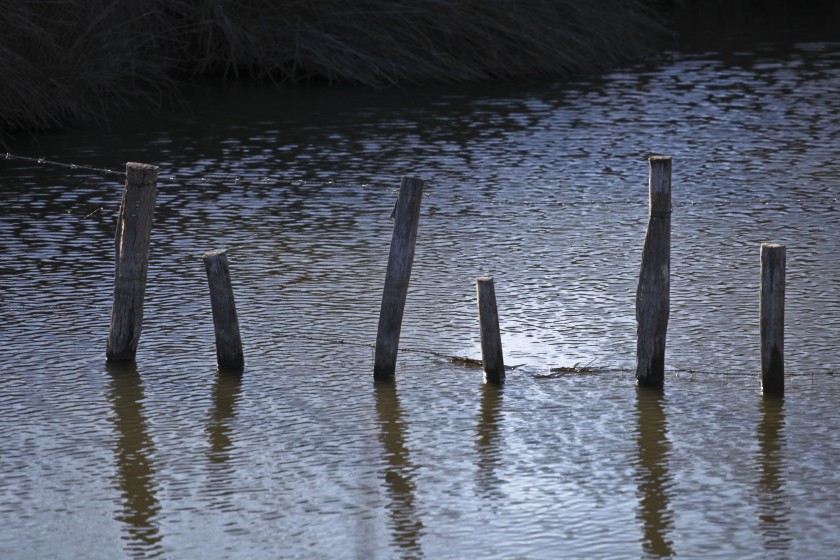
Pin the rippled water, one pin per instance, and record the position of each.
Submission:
(543, 186)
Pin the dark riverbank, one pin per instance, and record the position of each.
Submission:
(68, 62)
(733, 25)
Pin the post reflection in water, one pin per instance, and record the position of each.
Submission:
(225, 394)
(653, 479)
(406, 526)
(772, 506)
(135, 467)
(487, 441)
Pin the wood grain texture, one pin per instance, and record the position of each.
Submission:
(406, 220)
(491, 341)
(653, 299)
(134, 229)
(229, 355)
(772, 318)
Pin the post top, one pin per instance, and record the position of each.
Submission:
(408, 179)
(773, 248)
(143, 166)
(215, 253)
(484, 279)
(141, 173)
(659, 158)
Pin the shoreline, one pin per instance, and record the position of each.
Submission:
(65, 68)
(66, 64)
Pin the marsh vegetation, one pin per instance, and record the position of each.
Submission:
(72, 61)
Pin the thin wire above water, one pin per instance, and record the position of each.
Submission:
(169, 180)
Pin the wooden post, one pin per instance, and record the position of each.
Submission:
(653, 294)
(491, 341)
(406, 219)
(772, 319)
(134, 229)
(228, 342)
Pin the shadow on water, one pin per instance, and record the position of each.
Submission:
(773, 512)
(406, 525)
(726, 26)
(487, 441)
(225, 394)
(654, 481)
(135, 467)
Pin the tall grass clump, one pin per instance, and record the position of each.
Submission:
(64, 61)
(71, 61)
(381, 42)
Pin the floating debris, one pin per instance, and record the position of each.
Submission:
(467, 362)
(473, 363)
(562, 371)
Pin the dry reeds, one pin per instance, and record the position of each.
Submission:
(65, 61)
(380, 42)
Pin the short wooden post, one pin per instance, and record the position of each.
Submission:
(134, 230)
(491, 341)
(772, 319)
(228, 342)
(653, 294)
(406, 219)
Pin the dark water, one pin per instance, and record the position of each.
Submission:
(543, 186)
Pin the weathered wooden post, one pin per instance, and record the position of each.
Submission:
(134, 230)
(653, 294)
(491, 341)
(772, 319)
(228, 342)
(406, 219)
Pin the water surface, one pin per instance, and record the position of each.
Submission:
(541, 185)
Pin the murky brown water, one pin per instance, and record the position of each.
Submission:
(541, 185)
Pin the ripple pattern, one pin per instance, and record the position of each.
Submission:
(543, 186)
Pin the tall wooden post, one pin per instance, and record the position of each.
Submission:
(228, 342)
(406, 219)
(772, 319)
(653, 294)
(134, 230)
(491, 341)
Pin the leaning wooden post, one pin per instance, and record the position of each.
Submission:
(653, 294)
(406, 219)
(772, 319)
(491, 341)
(228, 342)
(134, 230)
